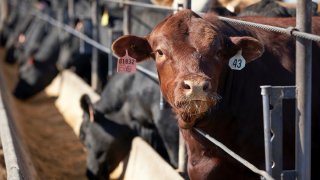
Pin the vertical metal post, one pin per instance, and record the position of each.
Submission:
(126, 19)
(182, 4)
(110, 56)
(303, 83)
(71, 12)
(265, 92)
(182, 154)
(60, 12)
(3, 12)
(186, 4)
(95, 36)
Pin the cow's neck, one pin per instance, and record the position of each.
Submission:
(215, 123)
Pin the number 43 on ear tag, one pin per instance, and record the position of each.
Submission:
(126, 64)
(237, 62)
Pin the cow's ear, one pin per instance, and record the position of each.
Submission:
(87, 106)
(137, 47)
(251, 47)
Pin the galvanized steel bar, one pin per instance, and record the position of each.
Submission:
(182, 156)
(265, 92)
(126, 19)
(273, 122)
(186, 4)
(72, 31)
(234, 155)
(71, 12)
(95, 37)
(140, 4)
(182, 161)
(8, 145)
(90, 41)
(277, 128)
(303, 83)
(288, 30)
(111, 59)
(4, 12)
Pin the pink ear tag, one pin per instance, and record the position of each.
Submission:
(126, 64)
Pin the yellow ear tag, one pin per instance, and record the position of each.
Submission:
(105, 19)
(237, 62)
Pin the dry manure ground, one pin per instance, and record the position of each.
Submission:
(54, 149)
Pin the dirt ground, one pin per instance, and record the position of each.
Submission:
(55, 150)
(2, 166)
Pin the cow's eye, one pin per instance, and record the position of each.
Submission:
(160, 56)
(160, 53)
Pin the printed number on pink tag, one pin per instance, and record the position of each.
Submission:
(126, 64)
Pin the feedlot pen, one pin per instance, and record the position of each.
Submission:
(53, 148)
(44, 132)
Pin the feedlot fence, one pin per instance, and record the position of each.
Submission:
(302, 90)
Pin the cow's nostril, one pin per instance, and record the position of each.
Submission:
(206, 86)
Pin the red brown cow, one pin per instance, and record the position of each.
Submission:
(192, 55)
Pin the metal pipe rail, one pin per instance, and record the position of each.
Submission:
(8, 145)
(145, 5)
(90, 41)
(289, 30)
(15, 159)
(234, 155)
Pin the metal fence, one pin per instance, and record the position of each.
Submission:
(303, 72)
(18, 166)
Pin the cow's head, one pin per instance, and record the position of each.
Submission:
(107, 142)
(34, 76)
(190, 53)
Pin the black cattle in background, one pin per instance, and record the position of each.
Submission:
(76, 55)
(25, 32)
(39, 69)
(111, 146)
(54, 55)
(129, 107)
(272, 8)
(128, 101)
(57, 51)
(10, 17)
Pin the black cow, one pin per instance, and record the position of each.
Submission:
(130, 101)
(272, 8)
(39, 70)
(107, 141)
(10, 17)
(129, 106)
(57, 51)
(27, 33)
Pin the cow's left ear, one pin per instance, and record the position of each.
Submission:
(137, 47)
(251, 47)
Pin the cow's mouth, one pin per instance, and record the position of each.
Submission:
(189, 111)
(196, 105)
(193, 107)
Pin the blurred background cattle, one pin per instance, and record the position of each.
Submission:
(130, 103)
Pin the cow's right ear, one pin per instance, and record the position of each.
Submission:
(251, 47)
(87, 106)
(137, 47)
